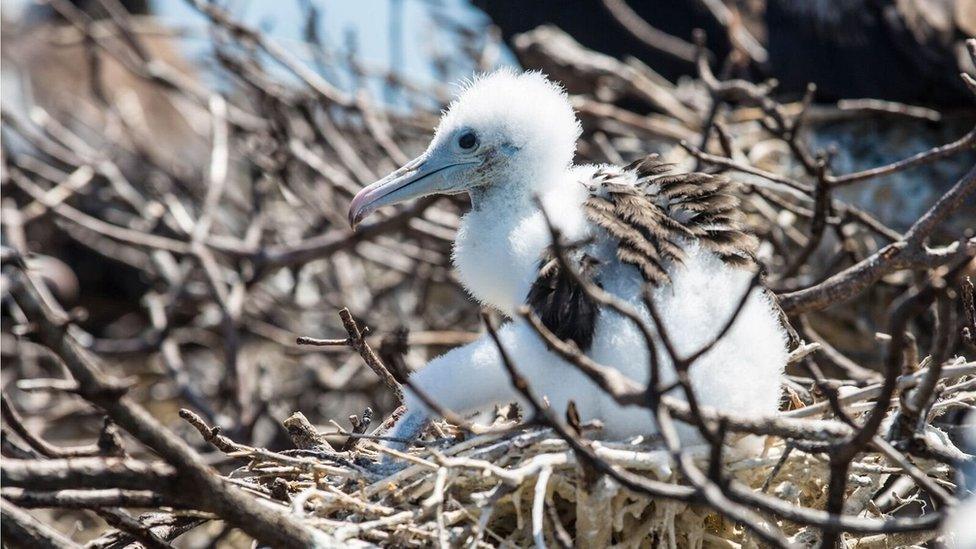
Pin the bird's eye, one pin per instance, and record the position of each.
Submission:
(468, 140)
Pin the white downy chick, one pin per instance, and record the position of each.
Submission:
(508, 140)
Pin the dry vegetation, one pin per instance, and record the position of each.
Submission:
(141, 276)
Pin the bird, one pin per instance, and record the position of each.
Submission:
(508, 140)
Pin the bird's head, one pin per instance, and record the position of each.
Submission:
(505, 127)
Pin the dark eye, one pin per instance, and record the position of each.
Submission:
(467, 140)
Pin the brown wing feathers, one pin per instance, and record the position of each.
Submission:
(651, 218)
(649, 221)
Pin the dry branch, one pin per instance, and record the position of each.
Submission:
(220, 266)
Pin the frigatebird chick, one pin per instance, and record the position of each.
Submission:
(508, 141)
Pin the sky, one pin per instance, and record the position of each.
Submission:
(369, 19)
(365, 22)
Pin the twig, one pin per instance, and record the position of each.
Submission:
(965, 142)
(653, 38)
(910, 252)
(22, 530)
(215, 495)
(357, 340)
(87, 498)
(16, 423)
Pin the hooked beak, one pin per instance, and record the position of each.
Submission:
(421, 176)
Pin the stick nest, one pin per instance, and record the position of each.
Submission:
(524, 484)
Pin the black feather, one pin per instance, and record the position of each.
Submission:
(561, 303)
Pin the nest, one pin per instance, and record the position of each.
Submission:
(525, 485)
(165, 242)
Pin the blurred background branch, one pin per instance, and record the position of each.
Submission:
(175, 177)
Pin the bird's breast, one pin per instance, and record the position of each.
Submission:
(497, 257)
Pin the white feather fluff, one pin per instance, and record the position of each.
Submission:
(497, 251)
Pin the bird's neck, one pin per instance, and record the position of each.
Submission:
(501, 239)
(515, 196)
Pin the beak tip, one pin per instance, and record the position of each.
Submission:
(358, 209)
(378, 194)
(354, 219)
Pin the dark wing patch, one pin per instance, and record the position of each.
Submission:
(651, 218)
(560, 302)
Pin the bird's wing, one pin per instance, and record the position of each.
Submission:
(652, 212)
(648, 213)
